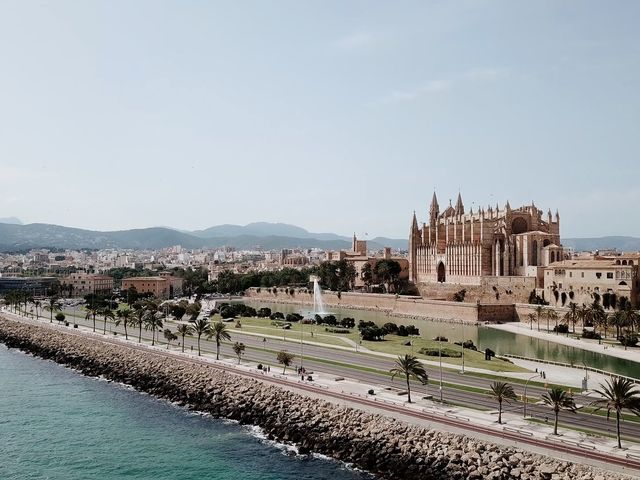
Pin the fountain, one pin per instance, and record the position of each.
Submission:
(318, 304)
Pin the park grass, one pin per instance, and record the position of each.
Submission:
(392, 344)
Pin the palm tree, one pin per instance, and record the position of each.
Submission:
(92, 311)
(124, 315)
(139, 315)
(502, 391)
(219, 332)
(53, 306)
(152, 321)
(532, 318)
(201, 326)
(617, 319)
(106, 312)
(551, 314)
(582, 314)
(183, 330)
(409, 366)
(559, 399)
(238, 349)
(572, 315)
(539, 313)
(618, 394)
(37, 304)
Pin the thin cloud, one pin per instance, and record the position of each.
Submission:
(355, 42)
(445, 85)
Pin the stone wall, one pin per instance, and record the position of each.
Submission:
(405, 306)
(379, 444)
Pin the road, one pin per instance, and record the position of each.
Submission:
(345, 363)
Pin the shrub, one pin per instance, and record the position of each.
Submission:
(562, 328)
(294, 317)
(348, 322)
(371, 392)
(468, 344)
(337, 330)
(259, 366)
(440, 338)
(459, 295)
(446, 352)
(373, 334)
(630, 340)
(591, 334)
(390, 327)
(277, 316)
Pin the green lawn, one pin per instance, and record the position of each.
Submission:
(392, 344)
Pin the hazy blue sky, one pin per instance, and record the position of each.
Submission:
(336, 116)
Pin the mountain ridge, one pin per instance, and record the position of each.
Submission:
(265, 235)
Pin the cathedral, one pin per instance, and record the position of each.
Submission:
(474, 248)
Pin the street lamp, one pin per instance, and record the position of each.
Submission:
(440, 359)
(525, 394)
(301, 343)
(462, 348)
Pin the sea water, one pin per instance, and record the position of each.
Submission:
(58, 424)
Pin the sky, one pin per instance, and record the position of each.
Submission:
(337, 116)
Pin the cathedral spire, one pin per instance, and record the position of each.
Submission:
(434, 210)
(414, 223)
(459, 205)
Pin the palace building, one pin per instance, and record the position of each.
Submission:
(476, 248)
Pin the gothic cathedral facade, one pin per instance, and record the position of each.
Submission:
(463, 248)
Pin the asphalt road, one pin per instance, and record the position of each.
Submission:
(348, 364)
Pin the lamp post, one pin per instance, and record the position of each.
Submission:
(462, 348)
(440, 359)
(301, 343)
(525, 394)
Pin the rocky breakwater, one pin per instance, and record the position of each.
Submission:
(387, 447)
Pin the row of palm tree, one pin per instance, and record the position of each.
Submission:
(618, 394)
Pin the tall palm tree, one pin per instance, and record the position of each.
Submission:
(532, 318)
(153, 321)
(219, 333)
(106, 313)
(559, 399)
(139, 315)
(502, 392)
(617, 319)
(618, 394)
(201, 326)
(582, 314)
(539, 313)
(409, 366)
(572, 315)
(124, 316)
(551, 314)
(53, 306)
(92, 312)
(37, 304)
(184, 329)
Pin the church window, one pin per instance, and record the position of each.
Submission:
(582, 274)
(570, 274)
(609, 274)
(631, 262)
(598, 274)
(624, 262)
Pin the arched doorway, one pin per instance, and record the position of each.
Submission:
(441, 273)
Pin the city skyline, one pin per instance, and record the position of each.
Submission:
(333, 119)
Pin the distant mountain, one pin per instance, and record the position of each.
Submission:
(11, 221)
(623, 244)
(265, 229)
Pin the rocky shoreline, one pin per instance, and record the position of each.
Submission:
(386, 447)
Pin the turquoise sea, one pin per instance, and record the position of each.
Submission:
(58, 424)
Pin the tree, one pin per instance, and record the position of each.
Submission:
(92, 311)
(502, 392)
(170, 336)
(558, 399)
(389, 272)
(53, 306)
(124, 316)
(551, 314)
(532, 318)
(238, 349)
(184, 330)
(285, 358)
(60, 317)
(618, 394)
(409, 366)
(572, 315)
(153, 322)
(106, 313)
(37, 304)
(367, 274)
(219, 333)
(201, 326)
(138, 319)
(539, 313)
